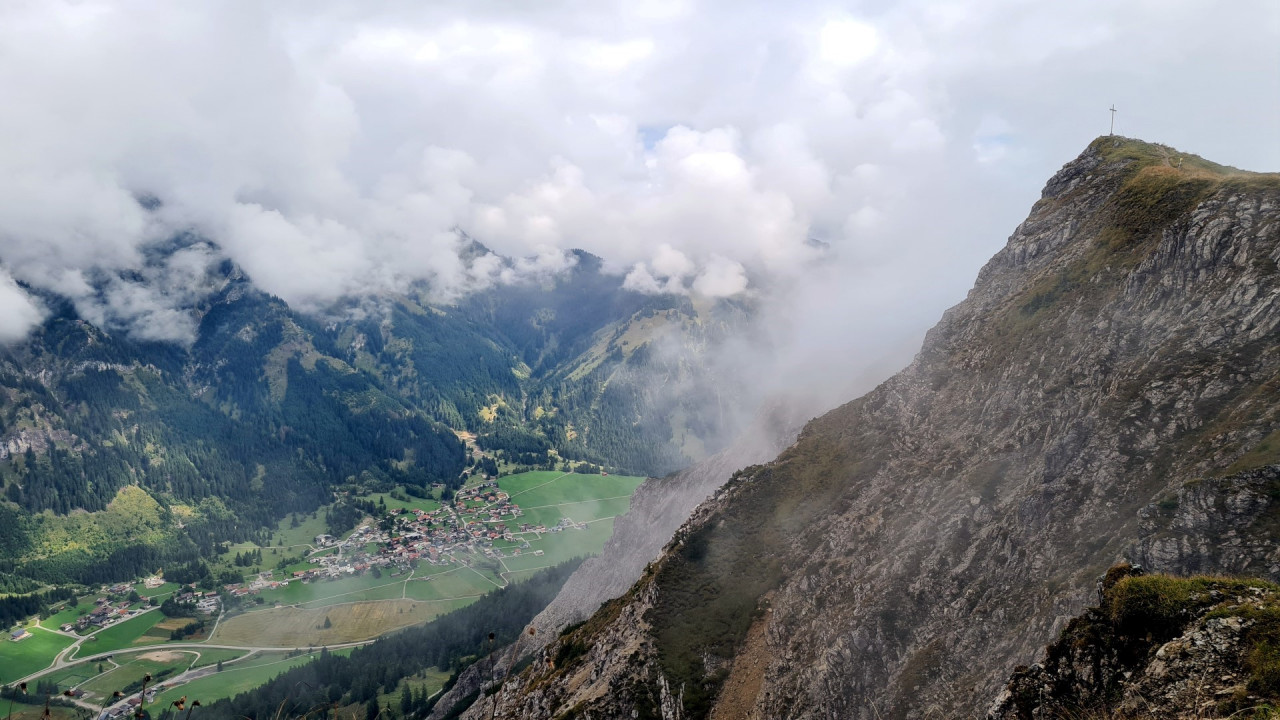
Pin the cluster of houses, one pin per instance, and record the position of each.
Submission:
(105, 612)
(265, 580)
(567, 523)
(205, 602)
(473, 521)
(129, 707)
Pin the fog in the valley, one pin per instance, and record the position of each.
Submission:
(845, 168)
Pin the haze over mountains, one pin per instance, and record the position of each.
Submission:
(267, 410)
(295, 295)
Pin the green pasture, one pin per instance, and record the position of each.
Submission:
(213, 656)
(458, 583)
(69, 613)
(237, 677)
(73, 675)
(23, 657)
(541, 488)
(412, 503)
(344, 589)
(561, 546)
(123, 635)
(131, 668)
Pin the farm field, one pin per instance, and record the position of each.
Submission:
(73, 675)
(561, 546)
(580, 510)
(134, 631)
(328, 592)
(125, 666)
(23, 657)
(542, 488)
(131, 667)
(35, 711)
(213, 656)
(297, 627)
(458, 583)
(412, 503)
(69, 613)
(237, 677)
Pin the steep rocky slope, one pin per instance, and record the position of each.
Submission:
(1158, 646)
(658, 508)
(916, 544)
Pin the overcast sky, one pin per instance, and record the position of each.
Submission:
(852, 164)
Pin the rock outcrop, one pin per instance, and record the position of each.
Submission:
(918, 543)
(1215, 525)
(1158, 647)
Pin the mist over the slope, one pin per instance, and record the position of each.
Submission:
(846, 167)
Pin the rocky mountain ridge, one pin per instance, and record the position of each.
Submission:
(916, 544)
(1158, 647)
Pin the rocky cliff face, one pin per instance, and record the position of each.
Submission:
(1215, 525)
(1158, 647)
(916, 544)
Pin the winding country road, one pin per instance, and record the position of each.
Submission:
(61, 661)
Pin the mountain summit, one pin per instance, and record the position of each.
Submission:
(1116, 362)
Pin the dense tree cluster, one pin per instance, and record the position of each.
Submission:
(17, 585)
(15, 608)
(248, 558)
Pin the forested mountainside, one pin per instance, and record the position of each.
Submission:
(916, 544)
(171, 449)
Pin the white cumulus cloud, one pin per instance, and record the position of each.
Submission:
(874, 155)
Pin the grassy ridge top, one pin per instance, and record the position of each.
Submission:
(1144, 155)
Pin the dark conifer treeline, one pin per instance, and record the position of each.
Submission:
(14, 608)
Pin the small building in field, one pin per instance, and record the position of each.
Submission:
(19, 634)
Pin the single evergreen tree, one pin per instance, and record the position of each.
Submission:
(406, 700)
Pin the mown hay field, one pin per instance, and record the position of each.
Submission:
(291, 627)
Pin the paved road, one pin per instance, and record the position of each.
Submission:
(60, 663)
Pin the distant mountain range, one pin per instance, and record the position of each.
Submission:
(269, 409)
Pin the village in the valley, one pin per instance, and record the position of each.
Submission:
(409, 559)
(480, 521)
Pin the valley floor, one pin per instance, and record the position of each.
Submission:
(283, 625)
